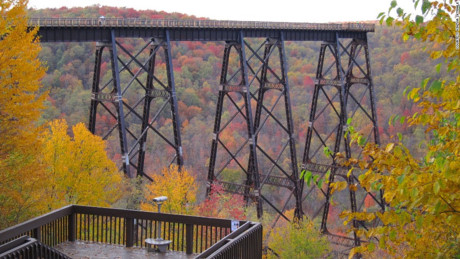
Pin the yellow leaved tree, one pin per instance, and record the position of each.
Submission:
(178, 185)
(422, 219)
(20, 106)
(78, 170)
(41, 169)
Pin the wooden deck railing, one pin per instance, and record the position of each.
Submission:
(130, 228)
(26, 247)
(245, 242)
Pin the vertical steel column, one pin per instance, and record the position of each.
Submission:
(345, 79)
(260, 100)
(115, 97)
(298, 213)
(371, 92)
(119, 105)
(314, 104)
(253, 166)
(334, 49)
(95, 88)
(373, 106)
(146, 110)
(218, 118)
(173, 101)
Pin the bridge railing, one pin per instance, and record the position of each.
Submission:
(129, 228)
(170, 23)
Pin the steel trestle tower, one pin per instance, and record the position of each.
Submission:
(259, 72)
(343, 97)
(138, 114)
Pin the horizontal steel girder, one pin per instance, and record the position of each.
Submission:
(93, 30)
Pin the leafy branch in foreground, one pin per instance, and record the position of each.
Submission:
(423, 194)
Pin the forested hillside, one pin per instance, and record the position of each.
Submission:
(197, 66)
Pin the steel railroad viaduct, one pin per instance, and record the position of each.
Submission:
(100, 30)
(343, 90)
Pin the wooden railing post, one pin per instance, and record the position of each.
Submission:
(129, 222)
(189, 238)
(37, 233)
(72, 227)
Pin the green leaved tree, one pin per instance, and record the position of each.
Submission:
(298, 239)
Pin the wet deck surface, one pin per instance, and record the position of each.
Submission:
(88, 250)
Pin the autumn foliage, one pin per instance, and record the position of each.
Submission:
(298, 240)
(41, 168)
(20, 71)
(20, 105)
(422, 191)
(77, 168)
(178, 185)
(181, 189)
(223, 205)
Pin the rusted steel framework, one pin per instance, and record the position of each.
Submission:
(128, 113)
(260, 73)
(343, 98)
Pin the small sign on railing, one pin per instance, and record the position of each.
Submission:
(235, 225)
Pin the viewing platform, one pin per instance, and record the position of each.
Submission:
(82, 231)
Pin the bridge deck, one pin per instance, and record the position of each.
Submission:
(85, 29)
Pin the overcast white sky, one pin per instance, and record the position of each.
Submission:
(249, 10)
